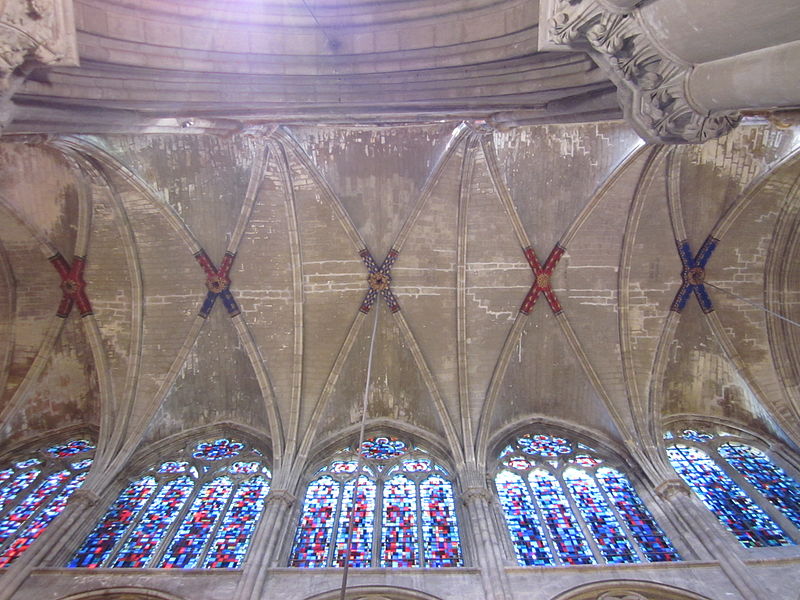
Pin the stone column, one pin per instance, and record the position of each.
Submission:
(58, 534)
(265, 545)
(682, 68)
(480, 519)
(697, 519)
(33, 34)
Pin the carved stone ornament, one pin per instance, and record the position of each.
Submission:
(651, 87)
(621, 595)
(35, 33)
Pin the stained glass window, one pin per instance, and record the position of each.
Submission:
(556, 495)
(772, 481)
(735, 510)
(197, 511)
(35, 489)
(404, 511)
(715, 466)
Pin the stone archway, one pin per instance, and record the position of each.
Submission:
(122, 593)
(627, 590)
(374, 592)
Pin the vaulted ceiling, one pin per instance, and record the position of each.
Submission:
(458, 365)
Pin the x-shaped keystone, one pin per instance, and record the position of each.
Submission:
(694, 275)
(379, 280)
(218, 283)
(541, 282)
(73, 287)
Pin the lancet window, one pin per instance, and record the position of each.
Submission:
(198, 510)
(564, 504)
(401, 504)
(740, 484)
(35, 489)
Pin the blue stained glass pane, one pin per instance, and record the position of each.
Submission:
(544, 445)
(173, 466)
(229, 547)
(71, 448)
(439, 528)
(695, 436)
(158, 516)
(40, 522)
(399, 547)
(315, 530)
(218, 449)
(587, 461)
(653, 541)
(382, 448)
(530, 544)
(609, 535)
(5, 475)
(82, 464)
(518, 463)
(101, 541)
(190, 539)
(24, 464)
(751, 525)
(19, 483)
(567, 536)
(772, 481)
(34, 500)
(363, 522)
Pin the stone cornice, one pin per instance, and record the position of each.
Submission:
(651, 86)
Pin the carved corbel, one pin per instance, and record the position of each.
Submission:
(651, 86)
(33, 33)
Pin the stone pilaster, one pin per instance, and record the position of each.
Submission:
(651, 86)
(681, 502)
(477, 500)
(266, 544)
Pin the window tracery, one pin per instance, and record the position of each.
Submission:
(403, 514)
(719, 466)
(35, 490)
(564, 504)
(196, 511)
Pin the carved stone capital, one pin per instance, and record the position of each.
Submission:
(87, 498)
(35, 33)
(671, 488)
(282, 497)
(650, 85)
(474, 494)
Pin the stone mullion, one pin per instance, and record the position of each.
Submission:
(377, 523)
(215, 527)
(758, 498)
(477, 501)
(548, 535)
(717, 541)
(169, 535)
(266, 542)
(637, 548)
(135, 523)
(594, 548)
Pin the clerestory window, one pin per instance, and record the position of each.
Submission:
(198, 510)
(566, 505)
(740, 484)
(401, 503)
(35, 489)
